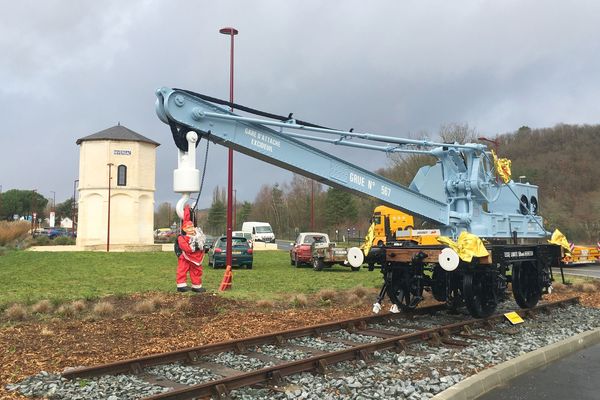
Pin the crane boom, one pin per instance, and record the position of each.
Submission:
(459, 193)
(259, 141)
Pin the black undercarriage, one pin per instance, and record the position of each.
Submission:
(479, 285)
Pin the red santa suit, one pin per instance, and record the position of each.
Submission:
(190, 259)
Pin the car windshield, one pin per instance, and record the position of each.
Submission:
(310, 239)
(263, 229)
(235, 241)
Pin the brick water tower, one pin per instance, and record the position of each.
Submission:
(116, 191)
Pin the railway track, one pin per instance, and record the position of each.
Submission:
(310, 349)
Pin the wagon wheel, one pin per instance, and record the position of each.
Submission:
(404, 289)
(318, 264)
(479, 298)
(526, 285)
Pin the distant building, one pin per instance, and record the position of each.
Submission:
(131, 160)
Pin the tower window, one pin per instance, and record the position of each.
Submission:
(122, 175)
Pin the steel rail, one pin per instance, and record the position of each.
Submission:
(222, 387)
(189, 354)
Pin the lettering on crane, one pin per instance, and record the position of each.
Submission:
(262, 141)
(357, 179)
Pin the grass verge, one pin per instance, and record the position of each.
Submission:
(28, 277)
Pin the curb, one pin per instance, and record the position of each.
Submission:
(481, 383)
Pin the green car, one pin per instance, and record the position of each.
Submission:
(241, 252)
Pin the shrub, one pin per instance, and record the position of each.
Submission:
(64, 240)
(13, 231)
(16, 312)
(265, 303)
(360, 291)
(42, 307)
(145, 306)
(104, 308)
(66, 311)
(326, 295)
(78, 305)
(588, 288)
(299, 300)
(41, 241)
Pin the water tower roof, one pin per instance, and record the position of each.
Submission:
(118, 132)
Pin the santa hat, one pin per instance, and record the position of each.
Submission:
(187, 225)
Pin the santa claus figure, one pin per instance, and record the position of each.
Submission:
(191, 244)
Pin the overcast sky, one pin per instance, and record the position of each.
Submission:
(72, 68)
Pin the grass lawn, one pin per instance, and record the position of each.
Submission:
(27, 276)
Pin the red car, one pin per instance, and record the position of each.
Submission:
(300, 252)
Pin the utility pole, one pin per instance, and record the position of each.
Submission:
(108, 224)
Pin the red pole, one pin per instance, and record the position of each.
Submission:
(108, 225)
(228, 259)
(312, 205)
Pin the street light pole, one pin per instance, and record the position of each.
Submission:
(108, 224)
(234, 208)
(74, 206)
(231, 32)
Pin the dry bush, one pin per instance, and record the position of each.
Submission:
(79, 305)
(326, 294)
(265, 303)
(559, 287)
(103, 308)
(66, 310)
(145, 306)
(578, 287)
(353, 299)
(182, 305)
(588, 288)
(42, 307)
(299, 300)
(16, 312)
(11, 231)
(360, 291)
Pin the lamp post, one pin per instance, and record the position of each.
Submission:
(33, 213)
(108, 223)
(52, 217)
(74, 206)
(231, 32)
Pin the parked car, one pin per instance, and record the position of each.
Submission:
(301, 252)
(241, 253)
(56, 232)
(247, 235)
(261, 231)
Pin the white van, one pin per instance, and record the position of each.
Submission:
(261, 231)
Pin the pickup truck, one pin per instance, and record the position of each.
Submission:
(314, 248)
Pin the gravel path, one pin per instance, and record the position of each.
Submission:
(418, 373)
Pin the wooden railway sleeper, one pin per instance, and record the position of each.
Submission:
(192, 356)
(222, 392)
(280, 340)
(275, 377)
(321, 367)
(136, 368)
(400, 346)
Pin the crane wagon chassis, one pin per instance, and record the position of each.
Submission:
(479, 285)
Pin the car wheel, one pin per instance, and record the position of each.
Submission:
(249, 266)
(292, 261)
(297, 262)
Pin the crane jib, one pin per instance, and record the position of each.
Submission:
(259, 141)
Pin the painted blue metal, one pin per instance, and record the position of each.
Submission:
(459, 193)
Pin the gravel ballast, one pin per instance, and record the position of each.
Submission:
(418, 373)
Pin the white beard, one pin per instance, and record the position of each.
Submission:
(197, 240)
